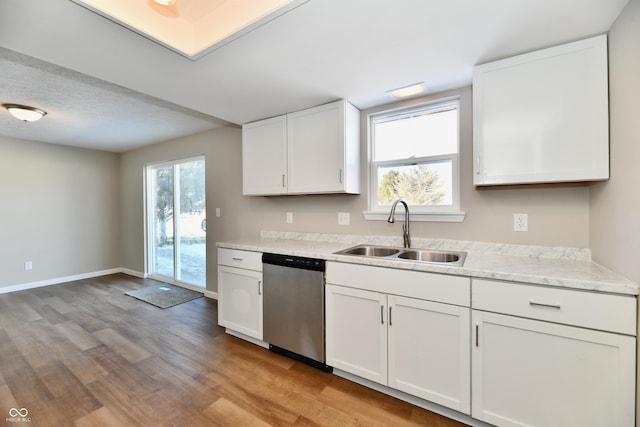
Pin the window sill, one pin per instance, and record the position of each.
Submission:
(417, 216)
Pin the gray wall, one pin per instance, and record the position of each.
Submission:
(222, 150)
(59, 211)
(615, 204)
(558, 215)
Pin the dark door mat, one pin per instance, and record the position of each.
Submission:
(165, 296)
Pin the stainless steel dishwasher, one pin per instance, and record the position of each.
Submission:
(293, 307)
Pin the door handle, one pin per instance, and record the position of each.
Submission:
(382, 314)
(259, 287)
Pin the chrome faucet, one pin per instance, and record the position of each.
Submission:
(405, 227)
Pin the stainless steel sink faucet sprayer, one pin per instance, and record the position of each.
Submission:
(405, 227)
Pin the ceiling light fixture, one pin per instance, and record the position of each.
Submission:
(404, 92)
(24, 112)
(166, 2)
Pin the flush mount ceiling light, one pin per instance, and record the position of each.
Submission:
(24, 112)
(404, 92)
(165, 2)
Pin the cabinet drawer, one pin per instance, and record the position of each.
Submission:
(615, 313)
(240, 259)
(413, 284)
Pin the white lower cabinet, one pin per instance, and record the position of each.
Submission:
(240, 292)
(416, 346)
(532, 372)
(428, 347)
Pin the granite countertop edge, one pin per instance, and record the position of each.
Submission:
(555, 267)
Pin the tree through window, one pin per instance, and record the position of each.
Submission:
(414, 155)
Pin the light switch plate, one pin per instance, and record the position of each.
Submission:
(289, 217)
(343, 218)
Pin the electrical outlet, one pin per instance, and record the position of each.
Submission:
(343, 218)
(28, 265)
(289, 217)
(520, 222)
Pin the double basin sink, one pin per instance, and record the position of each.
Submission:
(429, 256)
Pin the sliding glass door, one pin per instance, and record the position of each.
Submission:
(176, 221)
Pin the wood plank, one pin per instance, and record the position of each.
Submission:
(77, 335)
(225, 413)
(127, 349)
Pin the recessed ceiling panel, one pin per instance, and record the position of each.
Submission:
(191, 28)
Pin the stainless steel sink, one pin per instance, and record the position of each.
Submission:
(429, 256)
(365, 250)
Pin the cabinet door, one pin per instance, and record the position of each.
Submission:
(533, 373)
(356, 332)
(264, 157)
(316, 149)
(240, 300)
(543, 116)
(429, 353)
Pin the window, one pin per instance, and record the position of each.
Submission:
(176, 220)
(414, 156)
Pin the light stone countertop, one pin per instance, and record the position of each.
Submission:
(550, 266)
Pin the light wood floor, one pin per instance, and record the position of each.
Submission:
(85, 354)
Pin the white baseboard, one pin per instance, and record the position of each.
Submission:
(134, 273)
(58, 280)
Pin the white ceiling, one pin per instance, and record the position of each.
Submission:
(108, 87)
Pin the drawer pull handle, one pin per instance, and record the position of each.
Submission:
(237, 259)
(542, 304)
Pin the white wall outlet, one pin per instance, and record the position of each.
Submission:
(289, 217)
(28, 265)
(520, 222)
(217, 212)
(343, 218)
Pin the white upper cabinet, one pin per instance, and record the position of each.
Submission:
(264, 156)
(313, 151)
(543, 116)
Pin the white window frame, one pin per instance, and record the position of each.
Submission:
(440, 213)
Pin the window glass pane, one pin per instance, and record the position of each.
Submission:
(162, 193)
(421, 134)
(192, 223)
(422, 184)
